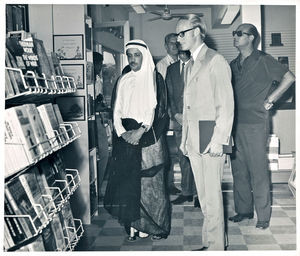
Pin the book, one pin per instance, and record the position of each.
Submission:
(19, 121)
(58, 232)
(62, 131)
(45, 191)
(56, 63)
(206, 130)
(29, 181)
(9, 90)
(14, 147)
(9, 18)
(18, 16)
(9, 62)
(50, 122)
(21, 205)
(15, 229)
(8, 241)
(67, 221)
(59, 168)
(37, 245)
(47, 177)
(49, 239)
(44, 65)
(38, 128)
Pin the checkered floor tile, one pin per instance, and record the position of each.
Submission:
(106, 234)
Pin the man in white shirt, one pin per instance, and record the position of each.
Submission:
(208, 99)
(172, 56)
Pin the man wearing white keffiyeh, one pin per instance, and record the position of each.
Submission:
(135, 192)
(136, 93)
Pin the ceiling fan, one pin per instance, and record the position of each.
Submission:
(167, 15)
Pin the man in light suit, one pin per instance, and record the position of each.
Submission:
(208, 95)
(175, 80)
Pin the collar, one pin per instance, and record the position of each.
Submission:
(184, 62)
(196, 52)
(170, 59)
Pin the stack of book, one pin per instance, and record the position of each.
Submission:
(27, 199)
(31, 133)
(273, 152)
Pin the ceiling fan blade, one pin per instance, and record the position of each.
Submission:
(184, 14)
(156, 13)
(156, 18)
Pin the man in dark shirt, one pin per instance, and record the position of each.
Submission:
(253, 73)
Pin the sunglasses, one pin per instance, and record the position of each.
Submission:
(240, 33)
(182, 33)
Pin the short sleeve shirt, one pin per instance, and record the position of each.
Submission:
(252, 83)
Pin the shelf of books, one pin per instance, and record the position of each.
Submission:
(38, 185)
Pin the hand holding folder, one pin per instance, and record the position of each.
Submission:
(206, 130)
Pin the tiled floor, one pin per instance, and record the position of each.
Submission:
(106, 234)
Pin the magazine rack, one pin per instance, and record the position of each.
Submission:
(60, 195)
(68, 133)
(40, 86)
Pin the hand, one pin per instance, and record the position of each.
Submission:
(268, 104)
(214, 149)
(178, 118)
(133, 136)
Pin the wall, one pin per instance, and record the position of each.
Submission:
(281, 19)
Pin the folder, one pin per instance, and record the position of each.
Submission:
(206, 130)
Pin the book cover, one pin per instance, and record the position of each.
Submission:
(30, 184)
(58, 232)
(67, 221)
(14, 226)
(36, 245)
(45, 191)
(9, 90)
(18, 118)
(8, 241)
(44, 65)
(14, 147)
(21, 205)
(63, 133)
(47, 122)
(10, 63)
(206, 130)
(60, 171)
(49, 239)
(38, 128)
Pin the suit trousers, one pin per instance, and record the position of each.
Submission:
(208, 172)
(188, 187)
(251, 178)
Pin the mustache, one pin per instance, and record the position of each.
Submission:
(132, 63)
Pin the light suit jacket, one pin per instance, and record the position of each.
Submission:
(208, 95)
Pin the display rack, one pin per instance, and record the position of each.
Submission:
(53, 206)
(71, 131)
(40, 86)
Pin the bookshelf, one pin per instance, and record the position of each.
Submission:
(38, 184)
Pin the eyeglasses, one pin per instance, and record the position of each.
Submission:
(182, 33)
(240, 33)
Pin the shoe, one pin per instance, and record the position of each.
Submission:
(196, 202)
(142, 235)
(158, 237)
(173, 190)
(131, 238)
(181, 199)
(202, 249)
(241, 216)
(262, 224)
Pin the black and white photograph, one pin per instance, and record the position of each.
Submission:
(179, 137)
